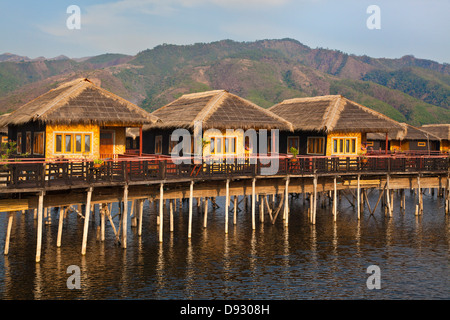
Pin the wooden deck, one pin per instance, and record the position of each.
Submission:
(35, 175)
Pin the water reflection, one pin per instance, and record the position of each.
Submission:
(299, 261)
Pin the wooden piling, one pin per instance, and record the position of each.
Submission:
(86, 220)
(334, 198)
(62, 212)
(161, 211)
(141, 213)
(286, 202)
(205, 212)
(227, 204)
(171, 215)
(314, 204)
(253, 202)
(191, 192)
(8, 231)
(39, 225)
(358, 197)
(235, 208)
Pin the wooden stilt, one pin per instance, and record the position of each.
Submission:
(86, 220)
(103, 208)
(286, 202)
(39, 225)
(313, 214)
(448, 196)
(161, 211)
(171, 215)
(133, 215)
(125, 216)
(191, 192)
(391, 211)
(8, 231)
(205, 212)
(253, 202)
(235, 208)
(261, 208)
(358, 197)
(141, 213)
(227, 204)
(62, 212)
(419, 194)
(334, 199)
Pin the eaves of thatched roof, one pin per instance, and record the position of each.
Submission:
(80, 101)
(217, 109)
(440, 130)
(334, 113)
(410, 133)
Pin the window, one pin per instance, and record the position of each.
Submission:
(28, 142)
(344, 145)
(316, 145)
(158, 144)
(369, 144)
(172, 144)
(67, 143)
(220, 145)
(38, 143)
(421, 144)
(19, 142)
(230, 145)
(78, 142)
(87, 143)
(58, 143)
(292, 142)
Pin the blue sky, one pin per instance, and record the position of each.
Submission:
(38, 28)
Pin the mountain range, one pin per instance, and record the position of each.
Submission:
(407, 89)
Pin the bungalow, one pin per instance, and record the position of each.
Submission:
(223, 118)
(329, 125)
(413, 139)
(442, 131)
(76, 120)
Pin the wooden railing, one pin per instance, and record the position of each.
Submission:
(33, 173)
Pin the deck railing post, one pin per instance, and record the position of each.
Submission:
(162, 169)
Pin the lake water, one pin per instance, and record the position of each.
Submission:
(325, 261)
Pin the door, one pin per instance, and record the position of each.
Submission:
(106, 144)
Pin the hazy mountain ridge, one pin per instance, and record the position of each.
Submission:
(266, 72)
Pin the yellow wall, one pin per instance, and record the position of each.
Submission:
(120, 139)
(445, 146)
(51, 130)
(358, 135)
(396, 145)
(239, 134)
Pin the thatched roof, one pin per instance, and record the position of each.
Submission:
(410, 133)
(80, 101)
(334, 113)
(440, 130)
(217, 109)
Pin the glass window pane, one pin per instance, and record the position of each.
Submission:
(353, 145)
(219, 145)
(78, 143)
(341, 145)
(68, 143)
(212, 147)
(87, 143)
(335, 146)
(58, 143)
